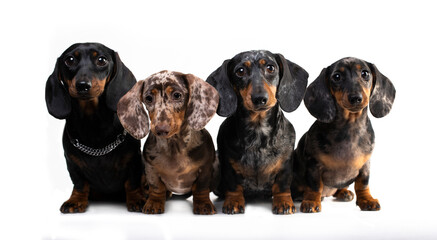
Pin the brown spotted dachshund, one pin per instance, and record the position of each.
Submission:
(103, 161)
(179, 154)
(256, 141)
(336, 150)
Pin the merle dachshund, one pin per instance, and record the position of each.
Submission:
(179, 153)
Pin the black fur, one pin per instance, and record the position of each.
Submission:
(94, 122)
(336, 149)
(250, 141)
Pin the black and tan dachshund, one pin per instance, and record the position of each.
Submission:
(256, 141)
(103, 161)
(336, 150)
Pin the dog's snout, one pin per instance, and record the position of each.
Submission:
(162, 130)
(83, 86)
(355, 98)
(260, 99)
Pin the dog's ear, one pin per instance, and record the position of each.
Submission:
(203, 102)
(219, 79)
(292, 84)
(120, 82)
(131, 112)
(383, 93)
(319, 100)
(57, 97)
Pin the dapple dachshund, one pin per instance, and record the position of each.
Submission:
(256, 141)
(179, 154)
(336, 150)
(103, 161)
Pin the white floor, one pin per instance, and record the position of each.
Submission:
(338, 220)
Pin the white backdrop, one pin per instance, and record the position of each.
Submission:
(195, 37)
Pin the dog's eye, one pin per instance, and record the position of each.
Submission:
(70, 61)
(102, 61)
(270, 68)
(149, 99)
(365, 74)
(240, 72)
(336, 77)
(177, 96)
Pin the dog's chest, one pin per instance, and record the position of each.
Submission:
(174, 168)
(338, 172)
(342, 164)
(260, 163)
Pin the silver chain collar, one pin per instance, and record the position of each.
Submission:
(96, 152)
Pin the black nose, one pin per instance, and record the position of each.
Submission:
(356, 98)
(83, 86)
(162, 130)
(260, 99)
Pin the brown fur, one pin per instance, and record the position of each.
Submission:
(78, 201)
(364, 199)
(178, 153)
(234, 201)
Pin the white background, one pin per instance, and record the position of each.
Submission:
(195, 37)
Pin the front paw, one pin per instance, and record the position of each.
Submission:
(74, 206)
(204, 207)
(154, 206)
(369, 204)
(283, 205)
(344, 195)
(308, 206)
(135, 204)
(233, 205)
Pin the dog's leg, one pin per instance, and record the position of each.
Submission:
(201, 202)
(364, 199)
(234, 201)
(344, 195)
(134, 185)
(78, 201)
(312, 196)
(282, 201)
(135, 197)
(155, 203)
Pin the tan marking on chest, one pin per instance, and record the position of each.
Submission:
(273, 169)
(331, 162)
(241, 170)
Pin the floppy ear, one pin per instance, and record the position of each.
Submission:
(203, 102)
(383, 93)
(292, 84)
(120, 82)
(219, 79)
(131, 112)
(57, 98)
(319, 100)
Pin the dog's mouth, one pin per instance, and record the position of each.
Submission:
(355, 109)
(261, 109)
(163, 132)
(93, 93)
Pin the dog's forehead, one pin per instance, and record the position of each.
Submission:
(164, 79)
(350, 63)
(254, 56)
(93, 49)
